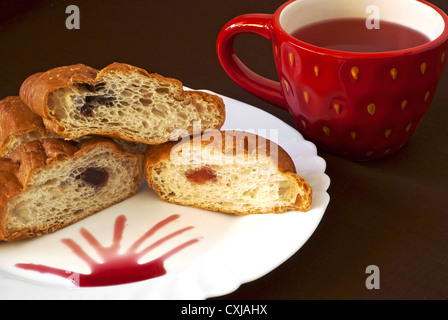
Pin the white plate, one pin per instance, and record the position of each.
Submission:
(231, 250)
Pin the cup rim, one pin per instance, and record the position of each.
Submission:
(443, 37)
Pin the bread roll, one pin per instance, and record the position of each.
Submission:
(49, 184)
(227, 171)
(120, 101)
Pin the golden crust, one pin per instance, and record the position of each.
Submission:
(17, 120)
(18, 167)
(232, 142)
(35, 90)
(220, 139)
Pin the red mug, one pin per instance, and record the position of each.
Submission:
(358, 105)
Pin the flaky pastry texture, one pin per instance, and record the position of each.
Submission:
(18, 124)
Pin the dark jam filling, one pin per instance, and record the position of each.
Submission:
(201, 176)
(94, 177)
(90, 102)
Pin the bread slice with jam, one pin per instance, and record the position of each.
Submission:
(49, 184)
(227, 171)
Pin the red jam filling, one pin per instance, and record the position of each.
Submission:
(201, 176)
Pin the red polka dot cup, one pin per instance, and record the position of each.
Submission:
(358, 105)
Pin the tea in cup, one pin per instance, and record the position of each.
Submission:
(356, 76)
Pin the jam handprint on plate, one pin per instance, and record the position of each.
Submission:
(117, 268)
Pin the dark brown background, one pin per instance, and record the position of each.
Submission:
(391, 213)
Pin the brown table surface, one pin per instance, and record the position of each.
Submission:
(392, 213)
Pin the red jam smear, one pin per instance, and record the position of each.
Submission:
(117, 268)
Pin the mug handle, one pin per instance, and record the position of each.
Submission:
(264, 88)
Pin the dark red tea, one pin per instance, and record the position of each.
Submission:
(352, 34)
